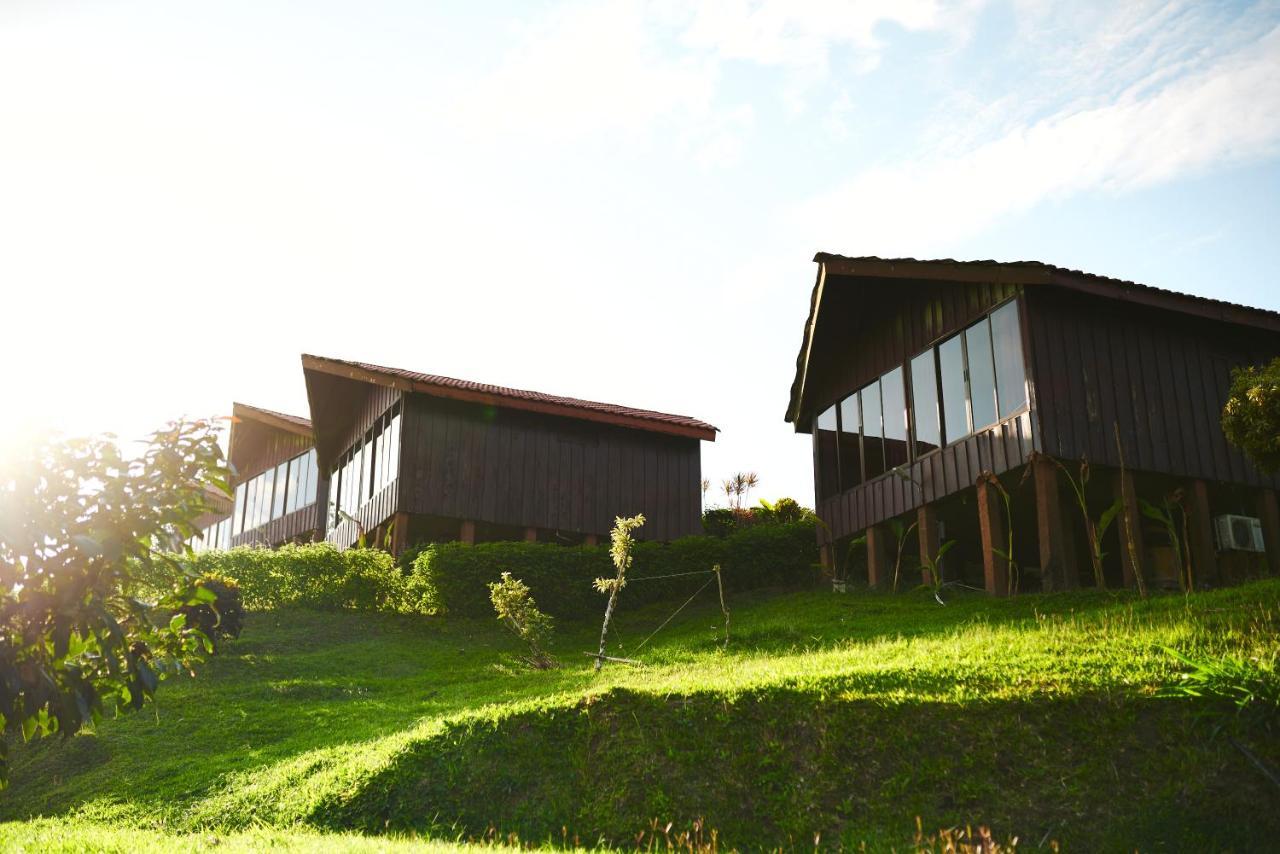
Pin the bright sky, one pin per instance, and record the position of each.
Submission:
(611, 200)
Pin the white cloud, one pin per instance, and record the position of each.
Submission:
(1228, 111)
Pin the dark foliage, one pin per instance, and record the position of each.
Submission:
(221, 618)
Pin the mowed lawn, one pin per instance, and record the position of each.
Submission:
(840, 717)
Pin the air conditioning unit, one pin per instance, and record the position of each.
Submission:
(1238, 533)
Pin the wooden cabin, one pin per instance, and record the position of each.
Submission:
(917, 379)
(278, 485)
(413, 457)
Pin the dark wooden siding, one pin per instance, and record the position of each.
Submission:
(1161, 376)
(507, 467)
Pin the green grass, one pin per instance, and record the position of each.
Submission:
(844, 716)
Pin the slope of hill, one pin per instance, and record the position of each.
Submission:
(841, 718)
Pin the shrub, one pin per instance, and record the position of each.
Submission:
(518, 612)
(221, 618)
(315, 575)
(454, 577)
(1251, 416)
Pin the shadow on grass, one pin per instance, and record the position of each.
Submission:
(777, 767)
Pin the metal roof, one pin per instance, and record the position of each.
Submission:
(572, 407)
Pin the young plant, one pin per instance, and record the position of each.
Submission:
(1095, 531)
(1164, 514)
(620, 548)
(1129, 522)
(901, 532)
(933, 566)
(516, 610)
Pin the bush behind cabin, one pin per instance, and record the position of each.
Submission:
(454, 577)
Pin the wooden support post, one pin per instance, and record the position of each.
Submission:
(1204, 555)
(530, 535)
(824, 556)
(467, 533)
(995, 569)
(591, 540)
(930, 542)
(1058, 568)
(877, 562)
(1269, 513)
(1129, 528)
(399, 533)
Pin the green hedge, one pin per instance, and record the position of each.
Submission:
(315, 575)
(453, 577)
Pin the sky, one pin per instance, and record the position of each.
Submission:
(616, 200)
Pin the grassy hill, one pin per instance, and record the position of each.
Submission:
(841, 717)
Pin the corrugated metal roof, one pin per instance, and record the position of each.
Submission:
(245, 409)
(1040, 266)
(570, 405)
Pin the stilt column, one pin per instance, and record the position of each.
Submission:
(995, 569)
(1204, 556)
(1269, 513)
(1058, 567)
(877, 563)
(467, 532)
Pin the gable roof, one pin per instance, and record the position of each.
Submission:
(291, 423)
(1032, 273)
(514, 398)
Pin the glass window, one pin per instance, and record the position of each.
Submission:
(312, 479)
(872, 431)
(894, 399)
(824, 435)
(955, 406)
(251, 505)
(282, 487)
(268, 486)
(331, 512)
(924, 402)
(1011, 378)
(982, 375)
(237, 513)
(393, 456)
(850, 442)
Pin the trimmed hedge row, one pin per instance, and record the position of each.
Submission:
(454, 577)
(316, 575)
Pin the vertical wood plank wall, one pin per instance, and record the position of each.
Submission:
(1161, 376)
(523, 469)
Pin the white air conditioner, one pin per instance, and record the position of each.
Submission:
(1238, 533)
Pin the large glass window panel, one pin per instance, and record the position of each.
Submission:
(1011, 377)
(894, 399)
(955, 406)
(313, 479)
(282, 488)
(268, 486)
(872, 431)
(850, 442)
(824, 434)
(393, 458)
(331, 509)
(251, 509)
(982, 375)
(237, 511)
(924, 402)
